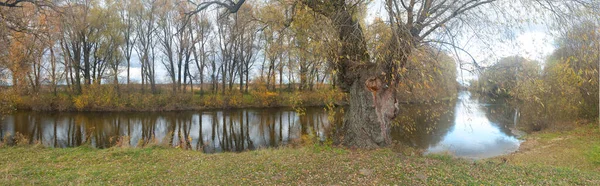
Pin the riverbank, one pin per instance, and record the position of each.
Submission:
(312, 165)
(134, 98)
(577, 148)
(106, 98)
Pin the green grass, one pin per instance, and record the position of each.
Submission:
(593, 155)
(546, 158)
(309, 165)
(578, 149)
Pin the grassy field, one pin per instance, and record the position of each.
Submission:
(309, 165)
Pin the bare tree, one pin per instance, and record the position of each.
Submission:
(145, 28)
(200, 41)
(126, 15)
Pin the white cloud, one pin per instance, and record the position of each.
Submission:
(135, 74)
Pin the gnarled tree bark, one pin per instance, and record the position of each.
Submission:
(372, 104)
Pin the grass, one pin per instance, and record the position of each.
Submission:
(576, 149)
(546, 158)
(594, 155)
(310, 165)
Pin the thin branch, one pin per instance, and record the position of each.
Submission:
(462, 9)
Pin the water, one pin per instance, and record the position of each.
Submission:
(473, 135)
(464, 127)
(208, 131)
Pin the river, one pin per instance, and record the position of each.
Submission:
(466, 127)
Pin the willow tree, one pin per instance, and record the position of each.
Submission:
(371, 78)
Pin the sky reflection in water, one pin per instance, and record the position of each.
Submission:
(473, 135)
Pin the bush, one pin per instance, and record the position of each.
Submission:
(97, 97)
(548, 100)
(7, 102)
(264, 97)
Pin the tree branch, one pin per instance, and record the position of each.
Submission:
(14, 3)
(462, 9)
(231, 6)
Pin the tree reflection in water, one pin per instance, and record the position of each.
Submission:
(208, 131)
(419, 125)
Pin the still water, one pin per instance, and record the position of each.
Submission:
(473, 134)
(466, 127)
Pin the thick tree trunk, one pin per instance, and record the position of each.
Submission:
(372, 100)
(372, 108)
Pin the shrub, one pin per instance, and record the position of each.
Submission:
(213, 100)
(97, 97)
(264, 98)
(7, 102)
(234, 99)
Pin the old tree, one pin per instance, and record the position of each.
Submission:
(371, 78)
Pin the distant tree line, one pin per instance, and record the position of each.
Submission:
(82, 42)
(564, 90)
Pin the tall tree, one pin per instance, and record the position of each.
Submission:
(127, 18)
(200, 30)
(145, 29)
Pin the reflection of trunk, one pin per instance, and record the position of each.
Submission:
(186, 134)
(128, 127)
(78, 134)
(172, 131)
(214, 126)
(272, 135)
(240, 144)
(231, 134)
(36, 133)
(200, 143)
(248, 140)
(281, 126)
(188, 140)
(117, 134)
(289, 125)
(224, 134)
(318, 125)
(69, 128)
(148, 125)
(304, 125)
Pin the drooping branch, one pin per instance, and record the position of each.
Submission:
(461, 10)
(231, 6)
(456, 47)
(14, 3)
